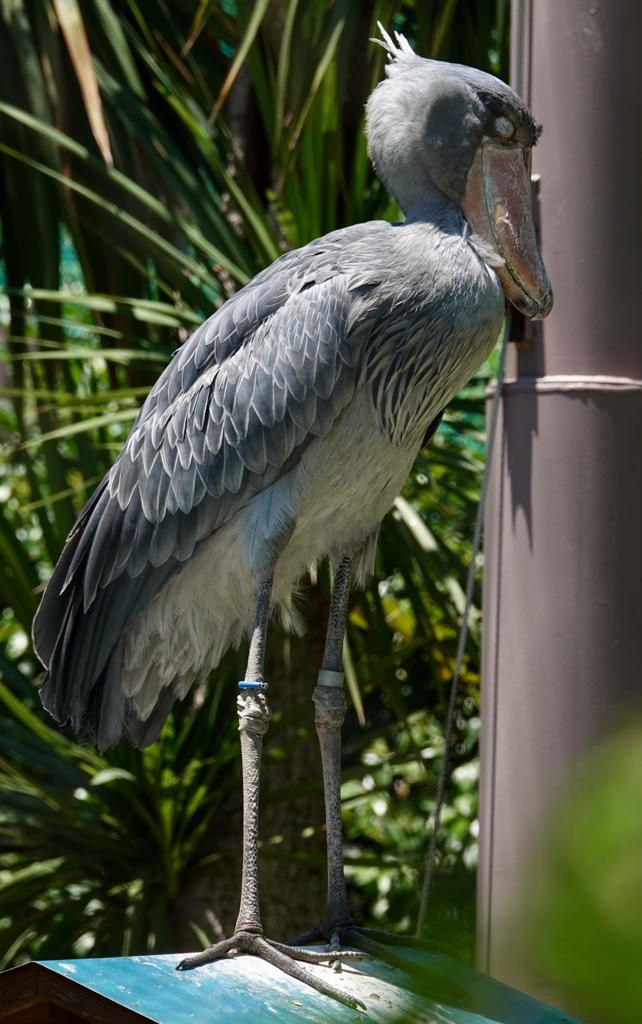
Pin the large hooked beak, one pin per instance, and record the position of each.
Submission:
(498, 206)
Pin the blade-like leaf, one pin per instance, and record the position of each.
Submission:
(71, 23)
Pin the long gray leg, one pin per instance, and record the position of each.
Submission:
(337, 926)
(254, 718)
(330, 706)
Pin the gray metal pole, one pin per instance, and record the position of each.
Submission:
(562, 645)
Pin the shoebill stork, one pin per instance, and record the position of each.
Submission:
(281, 433)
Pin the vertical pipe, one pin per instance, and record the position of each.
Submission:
(562, 643)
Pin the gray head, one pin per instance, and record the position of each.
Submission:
(439, 131)
(425, 121)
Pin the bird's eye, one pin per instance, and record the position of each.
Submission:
(504, 127)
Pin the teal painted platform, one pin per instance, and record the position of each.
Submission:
(245, 989)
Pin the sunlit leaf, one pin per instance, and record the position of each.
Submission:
(70, 18)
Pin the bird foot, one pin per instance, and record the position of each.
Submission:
(377, 943)
(283, 956)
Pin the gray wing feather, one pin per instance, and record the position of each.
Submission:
(240, 401)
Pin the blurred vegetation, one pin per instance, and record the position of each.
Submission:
(153, 157)
(582, 918)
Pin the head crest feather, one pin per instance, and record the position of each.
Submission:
(399, 52)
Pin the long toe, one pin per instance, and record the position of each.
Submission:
(208, 956)
(286, 959)
(313, 956)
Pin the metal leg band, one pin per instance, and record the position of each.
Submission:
(328, 678)
(245, 684)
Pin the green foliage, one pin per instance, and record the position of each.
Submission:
(125, 826)
(582, 920)
(388, 814)
(132, 201)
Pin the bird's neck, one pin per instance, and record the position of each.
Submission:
(435, 208)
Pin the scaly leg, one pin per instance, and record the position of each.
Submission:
(337, 927)
(254, 718)
(330, 706)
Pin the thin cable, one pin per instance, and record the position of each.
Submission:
(519, 13)
(495, 690)
(463, 633)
